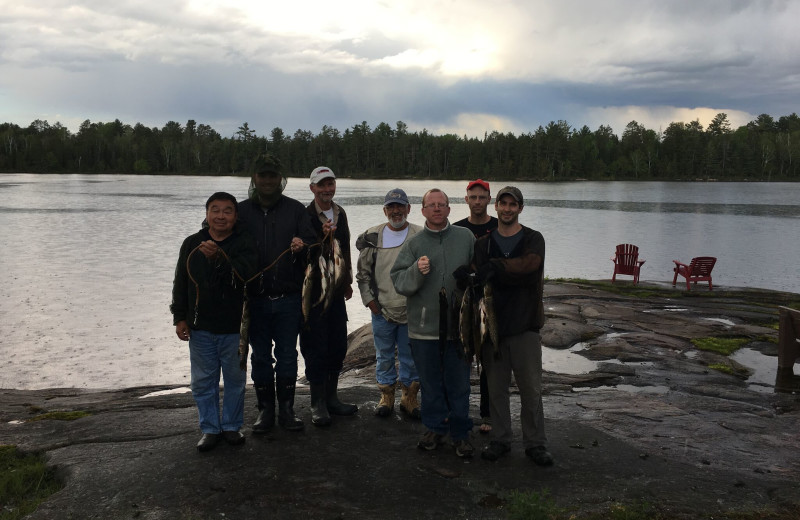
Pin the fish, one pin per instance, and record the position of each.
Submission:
(489, 331)
(244, 334)
(444, 309)
(325, 279)
(466, 316)
(308, 287)
(338, 260)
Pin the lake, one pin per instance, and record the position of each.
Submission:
(88, 260)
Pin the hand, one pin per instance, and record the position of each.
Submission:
(462, 272)
(328, 227)
(486, 272)
(348, 292)
(209, 248)
(182, 330)
(374, 308)
(297, 245)
(424, 265)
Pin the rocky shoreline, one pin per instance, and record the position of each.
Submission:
(653, 424)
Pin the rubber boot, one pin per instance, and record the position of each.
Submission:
(266, 408)
(286, 417)
(335, 406)
(319, 408)
(386, 405)
(408, 401)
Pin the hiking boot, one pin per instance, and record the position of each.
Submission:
(430, 441)
(386, 405)
(463, 448)
(408, 401)
(495, 450)
(540, 456)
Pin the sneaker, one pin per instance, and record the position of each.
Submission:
(430, 441)
(463, 448)
(495, 450)
(540, 456)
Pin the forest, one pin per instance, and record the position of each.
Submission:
(763, 150)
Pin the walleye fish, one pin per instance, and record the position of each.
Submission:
(466, 316)
(244, 334)
(444, 309)
(325, 280)
(338, 260)
(308, 286)
(489, 332)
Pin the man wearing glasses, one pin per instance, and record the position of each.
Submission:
(423, 272)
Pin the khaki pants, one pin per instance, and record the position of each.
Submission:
(521, 354)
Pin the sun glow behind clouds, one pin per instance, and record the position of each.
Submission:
(313, 34)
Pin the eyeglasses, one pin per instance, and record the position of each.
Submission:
(436, 205)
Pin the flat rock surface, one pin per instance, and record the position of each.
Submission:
(651, 423)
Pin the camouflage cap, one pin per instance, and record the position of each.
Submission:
(513, 191)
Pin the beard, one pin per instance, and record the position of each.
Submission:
(397, 225)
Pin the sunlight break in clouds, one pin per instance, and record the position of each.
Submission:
(657, 118)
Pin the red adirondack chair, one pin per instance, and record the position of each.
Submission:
(626, 261)
(699, 270)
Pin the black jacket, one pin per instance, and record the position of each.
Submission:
(518, 282)
(272, 229)
(220, 303)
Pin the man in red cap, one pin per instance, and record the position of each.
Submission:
(480, 223)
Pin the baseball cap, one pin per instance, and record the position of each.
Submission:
(396, 196)
(513, 191)
(321, 172)
(478, 182)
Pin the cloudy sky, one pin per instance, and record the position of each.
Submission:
(463, 67)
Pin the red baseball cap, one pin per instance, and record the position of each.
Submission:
(478, 182)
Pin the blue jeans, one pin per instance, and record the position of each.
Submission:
(444, 379)
(387, 336)
(208, 353)
(275, 321)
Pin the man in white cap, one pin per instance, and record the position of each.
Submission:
(378, 247)
(323, 338)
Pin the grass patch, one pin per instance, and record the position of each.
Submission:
(59, 416)
(25, 481)
(720, 367)
(532, 505)
(724, 346)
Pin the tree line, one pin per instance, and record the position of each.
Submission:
(762, 150)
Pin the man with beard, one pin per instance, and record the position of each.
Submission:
(511, 260)
(323, 339)
(378, 248)
(280, 227)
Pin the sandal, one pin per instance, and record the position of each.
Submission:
(486, 425)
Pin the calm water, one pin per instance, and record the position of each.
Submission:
(88, 261)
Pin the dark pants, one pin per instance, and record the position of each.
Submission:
(323, 341)
(275, 321)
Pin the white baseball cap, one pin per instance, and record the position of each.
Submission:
(321, 172)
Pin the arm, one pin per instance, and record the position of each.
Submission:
(364, 267)
(406, 275)
(180, 286)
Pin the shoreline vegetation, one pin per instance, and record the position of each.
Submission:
(763, 150)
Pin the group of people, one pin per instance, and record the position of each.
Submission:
(252, 257)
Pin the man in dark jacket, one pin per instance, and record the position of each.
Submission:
(511, 260)
(323, 338)
(207, 312)
(281, 229)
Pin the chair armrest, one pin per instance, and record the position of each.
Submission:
(641, 262)
(678, 264)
